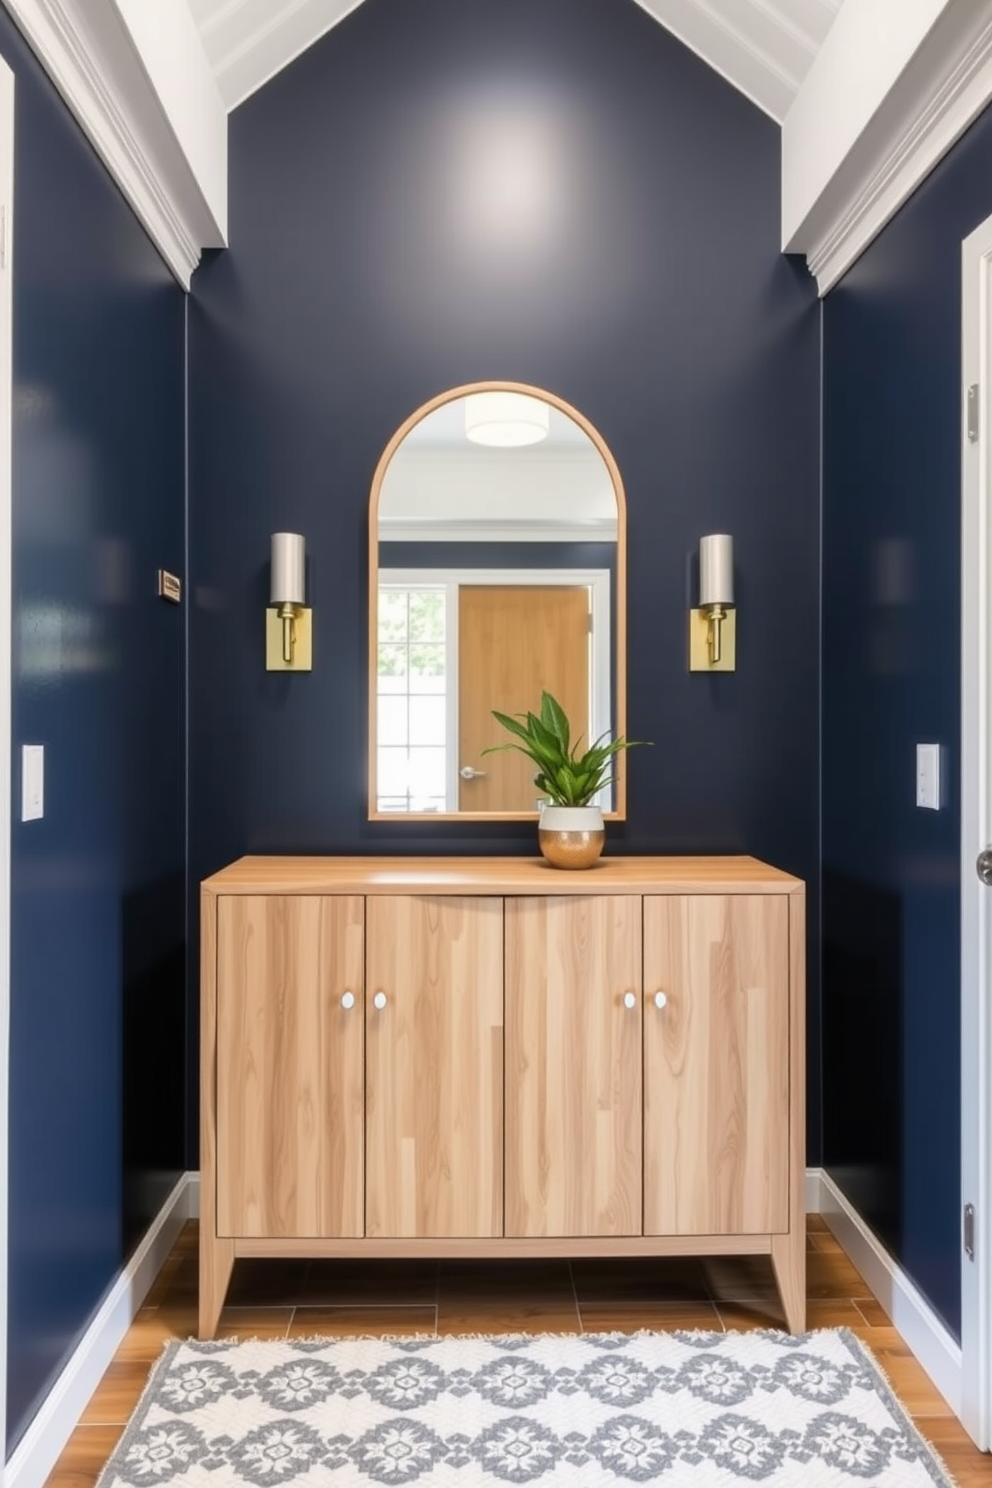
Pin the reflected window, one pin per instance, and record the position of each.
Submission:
(412, 698)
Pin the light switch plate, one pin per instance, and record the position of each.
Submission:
(928, 776)
(32, 782)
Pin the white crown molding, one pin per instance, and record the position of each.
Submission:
(88, 52)
(249, 42)
(938, 96)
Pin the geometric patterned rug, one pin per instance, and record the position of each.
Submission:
(685, 1410)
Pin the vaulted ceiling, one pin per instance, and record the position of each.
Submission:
(762, 47)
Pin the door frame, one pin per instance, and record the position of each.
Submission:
(601, 684)
(6, 420)
(976, 832)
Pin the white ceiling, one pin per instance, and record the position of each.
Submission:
(762, 47)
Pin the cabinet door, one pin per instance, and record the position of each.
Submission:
(434, 1067)
(716, 1065)
(290, 1082)
(573, 1066)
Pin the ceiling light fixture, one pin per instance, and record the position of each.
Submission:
(506, 419)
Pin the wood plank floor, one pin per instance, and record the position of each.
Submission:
(279, 1299)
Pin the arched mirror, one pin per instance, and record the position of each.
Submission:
(496, 570)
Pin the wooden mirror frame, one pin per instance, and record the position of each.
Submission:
(619, 680)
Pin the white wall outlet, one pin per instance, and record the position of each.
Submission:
(32, 782)
(928, 776)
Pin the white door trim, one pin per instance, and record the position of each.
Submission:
(976, 833)
(6, 399)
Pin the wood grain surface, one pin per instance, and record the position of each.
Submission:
(434, 1074)
(573, 1066)
(484, 876)
(716, 1060)
(290, 1076)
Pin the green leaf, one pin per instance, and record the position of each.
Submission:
(553, 717)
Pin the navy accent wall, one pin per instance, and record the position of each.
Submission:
(97, 997)
(891, 662)
(549, 191)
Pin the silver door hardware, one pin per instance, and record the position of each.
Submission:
(467, 772)
(983, 866)
(969, 1231)
(973, 413)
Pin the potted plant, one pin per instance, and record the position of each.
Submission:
(570, 831)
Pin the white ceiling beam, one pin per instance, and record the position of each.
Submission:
(137, 79)
(728, 48)
(892, 88)
(249, 41)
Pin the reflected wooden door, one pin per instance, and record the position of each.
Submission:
(514, 641)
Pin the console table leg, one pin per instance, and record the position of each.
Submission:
(789, 1265)
(216, 1265)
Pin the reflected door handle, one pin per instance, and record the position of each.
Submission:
(469, 772)
(630, 999)
(660, 999)
(983, 866)
(379, 1001)
(348, 1001)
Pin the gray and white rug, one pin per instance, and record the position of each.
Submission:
(686, 1410)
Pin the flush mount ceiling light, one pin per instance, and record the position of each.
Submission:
(506, 419)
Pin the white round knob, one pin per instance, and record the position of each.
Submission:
(348, 1000)
(379, 1000)
(660, 999)
(629, 1000)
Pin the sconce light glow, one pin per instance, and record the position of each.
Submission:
(288, 645)
(506, 420)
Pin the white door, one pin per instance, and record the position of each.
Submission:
(976, 835)
(6, 381)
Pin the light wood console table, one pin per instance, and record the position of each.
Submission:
(488, 1057)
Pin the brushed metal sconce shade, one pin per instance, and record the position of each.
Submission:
(288, 630)
(288, 569)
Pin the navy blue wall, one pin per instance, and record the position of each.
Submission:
(891, 659)
(554, 193)
(96, 1065)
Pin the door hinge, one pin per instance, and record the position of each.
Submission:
(969, 1231)
(973, 413)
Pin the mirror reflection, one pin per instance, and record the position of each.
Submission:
(495, 572)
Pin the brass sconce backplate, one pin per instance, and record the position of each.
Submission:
(699, 642)
(302, 641)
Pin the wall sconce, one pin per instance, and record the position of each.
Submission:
(288, 633)
(713, 627)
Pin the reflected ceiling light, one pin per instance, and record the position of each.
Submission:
(506, 419)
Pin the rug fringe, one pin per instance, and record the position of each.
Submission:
(895, 1404)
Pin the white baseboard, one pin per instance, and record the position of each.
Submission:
(38, 1450)
(51, 1428)
(911, 1313)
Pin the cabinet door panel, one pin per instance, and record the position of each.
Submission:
(434, 1068)
(573, 1066)
(716, 1065)
(290, 1084)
